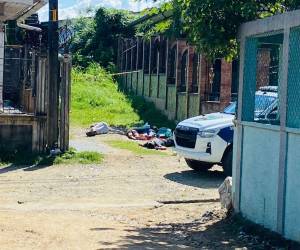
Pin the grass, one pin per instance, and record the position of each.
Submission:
(69, 157)
(84, 157)
(133, 147)
(96, 97)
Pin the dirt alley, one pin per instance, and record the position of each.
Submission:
(127, 202)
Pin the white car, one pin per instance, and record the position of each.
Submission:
(207, 140)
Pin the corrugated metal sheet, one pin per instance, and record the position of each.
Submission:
(14, 9)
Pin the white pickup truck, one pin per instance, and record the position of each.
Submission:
(207, 140)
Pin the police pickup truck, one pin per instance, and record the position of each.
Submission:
(207, 140)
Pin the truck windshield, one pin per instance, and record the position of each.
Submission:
(262, 102)
(231, 109)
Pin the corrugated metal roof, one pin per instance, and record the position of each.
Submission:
(13, 9)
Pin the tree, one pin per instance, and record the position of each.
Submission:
(96, 38)
(212, 25)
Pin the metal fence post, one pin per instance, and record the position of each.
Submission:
(283, 133)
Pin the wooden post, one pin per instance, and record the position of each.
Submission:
(65, 93)
(53, 74)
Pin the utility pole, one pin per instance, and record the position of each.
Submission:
(53, 104)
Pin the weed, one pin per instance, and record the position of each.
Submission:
(133, 147)
(85, 157)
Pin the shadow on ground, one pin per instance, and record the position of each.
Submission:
(209, 232)
(27, 163)
(148, 112)
(205, 179)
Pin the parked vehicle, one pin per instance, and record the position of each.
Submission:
(208, 140)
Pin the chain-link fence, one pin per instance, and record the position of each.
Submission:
(262, 78)
(293, 91)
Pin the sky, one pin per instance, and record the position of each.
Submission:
(75, 8)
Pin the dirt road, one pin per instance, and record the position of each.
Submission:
(127, 202)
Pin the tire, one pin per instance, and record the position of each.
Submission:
(198, 165)
(227, 162)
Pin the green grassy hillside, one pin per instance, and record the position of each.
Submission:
(96, 97)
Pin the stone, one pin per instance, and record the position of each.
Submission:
(225, 191)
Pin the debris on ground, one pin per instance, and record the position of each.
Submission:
(225, 191)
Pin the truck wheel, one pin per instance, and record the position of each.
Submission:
(198, 165)
(227, 162)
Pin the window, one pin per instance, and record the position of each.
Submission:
(214, 81)
(262, 79)
(154, 57)
(134, 55)
(162, 56)
(146, 57)
(140, 56)
(195, 72)
(172, 65)
(183, 72)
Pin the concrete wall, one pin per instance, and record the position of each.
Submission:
(181, 106)
(259, 178)
(171, 101)
(134, 82)
(259, 200)
(146, 85)
(154, 86)
(140, 85)
(266, 157)
(175, 105)
(129, 82)
(292, 201)
(193, 105)
(162, 86)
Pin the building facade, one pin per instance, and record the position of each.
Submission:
(172, 74)
(26, 122)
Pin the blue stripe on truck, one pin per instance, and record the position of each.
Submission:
(227, 134)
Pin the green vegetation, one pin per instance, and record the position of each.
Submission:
(96, 38)
(70, 157)
(96, 97)
(212, 25)
(73, 157)
(133, 147)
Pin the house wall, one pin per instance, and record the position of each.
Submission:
(22, 133)
(266, 172)
(156, 86)
(292, 202)
(259, 199)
